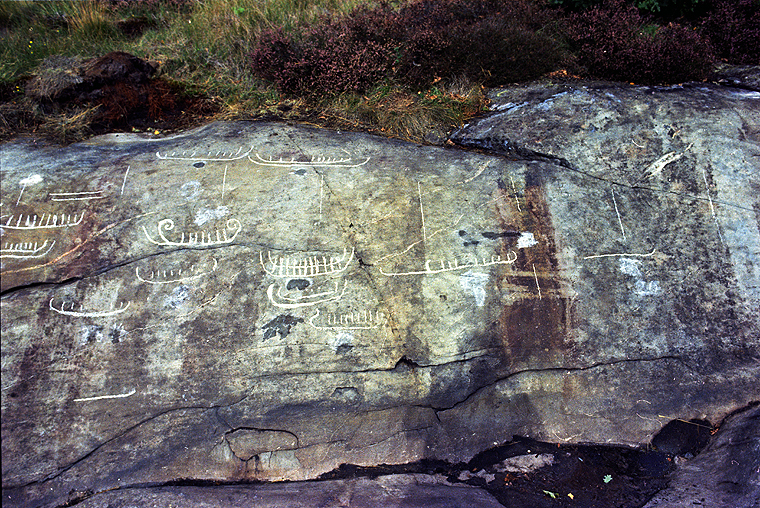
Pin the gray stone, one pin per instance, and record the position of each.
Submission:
(726, 473)
(396, 491)
(254, 301)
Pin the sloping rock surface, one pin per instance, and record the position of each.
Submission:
(253, 301)
(726, 473)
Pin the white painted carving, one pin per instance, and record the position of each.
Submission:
(314, 162)
(103, 397)
(450, 266)
(124, 182)
(26, 250)
(76, 196)
(164, 277)
(359, 320)
(86, 313)
(52, 221)
(617, 212)
(308, 301)
(301, 297)
(219, 156)
(305, 267)
(595, 256)
(712, 207)
(202, 239)
(655, 168)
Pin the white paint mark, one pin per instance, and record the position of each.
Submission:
(630, 267)
(190, 190)
(535, 276)
(712, 207)
(621, 254)
(475, 282)
(647, 288)
(124, 182)
(641, 287)
(24, 182)
(207, 215)
(321, 194)
(526, 240)
(422, 212)
(224, 180)
(620, 221)
(483, 167)
(514, 190)
(31, 180)
(103, 397)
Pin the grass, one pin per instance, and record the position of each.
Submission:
(204, 47)
(204, 50)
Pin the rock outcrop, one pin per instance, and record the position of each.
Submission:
(254, 301)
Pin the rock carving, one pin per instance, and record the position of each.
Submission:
(53, 221)
(358, 320)
(76, 196)
(26, 250)
(201, 239)
(161, 277)
(219, 156)
(450, 266)
(306, 267)
(103, 397)
(621, 254)
(82, 313)
(24, 182)
(305, 301)
(314, 162)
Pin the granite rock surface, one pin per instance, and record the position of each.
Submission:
(258, 301)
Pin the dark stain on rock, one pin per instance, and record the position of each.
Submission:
(502, 234)
(282, 325)
(299, 284)
(679, 437)
(114, 335)
(532, 329)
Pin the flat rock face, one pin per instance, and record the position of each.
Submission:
(253, 301)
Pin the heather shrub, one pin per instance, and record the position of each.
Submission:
(334, 56)
(733, 28)
(489, 41)
(615, 42)
(492, 41)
